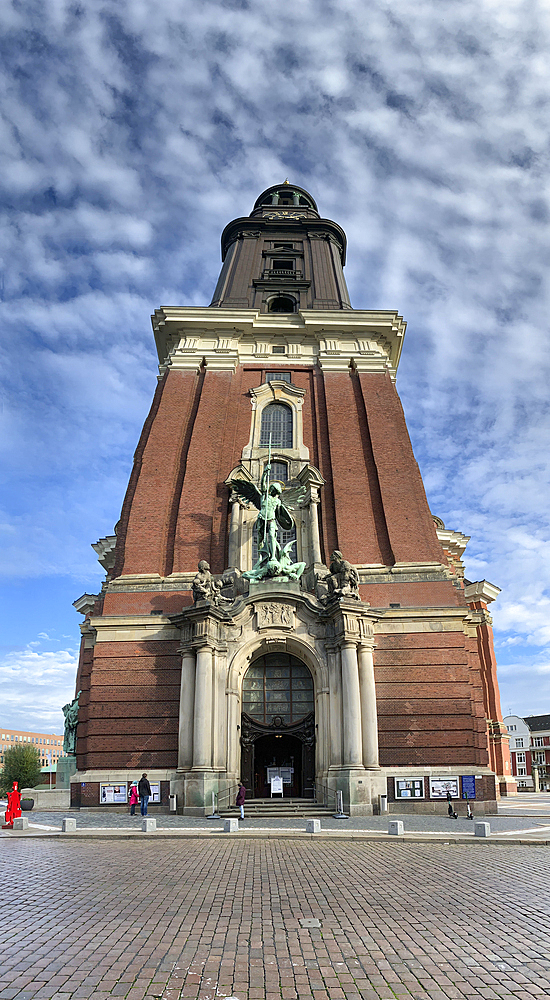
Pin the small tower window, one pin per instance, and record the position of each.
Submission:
(278, 377)
(283, 264)
(277, 422)
(278, 349)
(278, 473)
(282, 304)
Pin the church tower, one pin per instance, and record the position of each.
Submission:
(279, 601)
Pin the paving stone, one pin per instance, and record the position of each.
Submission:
(194, 919)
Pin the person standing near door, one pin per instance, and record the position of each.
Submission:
(144, 789)
(241, 796)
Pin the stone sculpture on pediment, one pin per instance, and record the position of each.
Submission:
(343, 580)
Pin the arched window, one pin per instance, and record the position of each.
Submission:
(278, 684)
(279, 472)
(282, 304)
(277, 422)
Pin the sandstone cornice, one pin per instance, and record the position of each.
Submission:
(190, 336)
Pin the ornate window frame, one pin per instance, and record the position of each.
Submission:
(277, 391)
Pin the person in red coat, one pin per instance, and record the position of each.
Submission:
(134, 798)
(241, 796)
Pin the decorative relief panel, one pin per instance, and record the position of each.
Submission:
(272, 615)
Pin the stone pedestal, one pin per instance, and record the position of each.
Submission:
(360, 789)
(66, 767)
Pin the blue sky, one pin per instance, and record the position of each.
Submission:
(133, 131)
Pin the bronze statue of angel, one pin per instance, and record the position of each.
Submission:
(274, 502)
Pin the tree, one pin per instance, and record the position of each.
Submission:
(22, 764)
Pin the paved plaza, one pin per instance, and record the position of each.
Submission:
(277, 919)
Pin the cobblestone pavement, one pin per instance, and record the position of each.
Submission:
(539, 825)
(202, 920)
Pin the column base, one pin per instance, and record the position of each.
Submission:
(360, 788)
(194, 790)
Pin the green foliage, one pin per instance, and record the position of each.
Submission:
(22, 764)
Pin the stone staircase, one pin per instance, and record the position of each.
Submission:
(278, 809)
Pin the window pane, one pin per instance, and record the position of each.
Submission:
(277, 421)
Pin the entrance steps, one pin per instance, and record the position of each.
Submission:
(278, 809)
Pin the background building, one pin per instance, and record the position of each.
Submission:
(530, 750)
(49, 745)
(386, 683)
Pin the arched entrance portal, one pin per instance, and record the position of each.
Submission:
(278, 726)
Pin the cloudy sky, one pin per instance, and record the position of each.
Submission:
(133, 131)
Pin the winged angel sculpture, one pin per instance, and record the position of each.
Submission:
(274, 503)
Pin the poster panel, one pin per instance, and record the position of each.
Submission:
(409, 788)
(440, 786)
(155, 791)
(111, 794)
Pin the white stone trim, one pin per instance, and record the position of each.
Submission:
(133, 628)
(263, 396)
(368, 340)
(481, 591)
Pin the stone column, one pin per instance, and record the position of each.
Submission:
(220, 715)
(233, 732)
(321, 716)
(234, 526)
(335, 703)
(368, 706)
(351, 706)
(314, 528)
(187, 710)
(202, 722)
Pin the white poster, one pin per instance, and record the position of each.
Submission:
(276, 785)
(440, 786)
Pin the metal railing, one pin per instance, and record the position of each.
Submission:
(222, 800)
(329, 797)
(278, 272)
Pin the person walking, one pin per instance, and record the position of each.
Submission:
(241, 796)
(144, 790)
(134, 798)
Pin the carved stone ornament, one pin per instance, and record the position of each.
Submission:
(272, 614)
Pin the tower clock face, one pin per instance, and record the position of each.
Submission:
(284, 215)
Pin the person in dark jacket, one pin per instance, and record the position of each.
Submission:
(241, 796)
(144, 789)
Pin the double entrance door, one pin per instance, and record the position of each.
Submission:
(288, 754)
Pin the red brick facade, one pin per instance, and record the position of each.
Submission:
(435, 679)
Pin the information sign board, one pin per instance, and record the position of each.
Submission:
(409, 788)
(468, 786)
(276, 785)
(440, 786)
(111, 794)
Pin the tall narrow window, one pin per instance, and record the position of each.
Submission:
(277, 422)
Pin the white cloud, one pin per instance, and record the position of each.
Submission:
(35, 685)
(420, 128)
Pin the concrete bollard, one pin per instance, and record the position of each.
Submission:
(231, 826)
(396, 827)
(482, 829)
(20, 823)
(313, 825)
(68, 825)
(148, 825)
